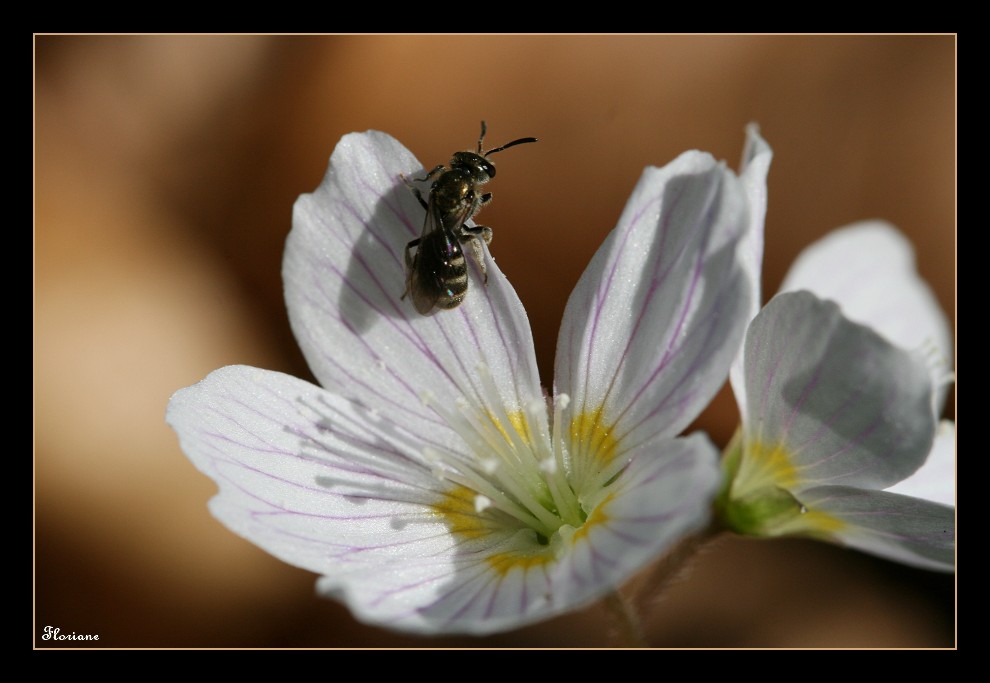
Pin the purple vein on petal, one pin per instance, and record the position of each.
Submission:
(404, 470)
(827, 424)
(869, 429)
(655, 284)
(400, 216)
(770, 379)
(387, 171)
(300, 431)
(480, 589)
(673, 338)
(384, 595)
(399, 378)
(847, 514)
(357, 550)
(408, 331)
(708, 323)
(514, 354)
(606, 285)
(663, 468)
(384, 246)
(392, 494)
(852, 443)
(599, 560)
(415, 341)
(795, 407)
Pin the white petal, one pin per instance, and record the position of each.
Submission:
(755, 165)
(664, 494)
(869, 269)
(303, 474)
(936, 480)
(909, 530)
(650, 330)
(344, 274)
(499, 583)
(328, 486)
(835, 399)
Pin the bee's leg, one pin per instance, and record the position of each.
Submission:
(474, 235)
(437, 170)
(485, 198)
(410, 264)
(415, 190)
(482, 231)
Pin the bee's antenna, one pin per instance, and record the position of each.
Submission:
(484, 129)
(505, 146)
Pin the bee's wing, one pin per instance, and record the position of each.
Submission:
(438, 248)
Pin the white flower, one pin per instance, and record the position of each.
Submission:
(430, 481)
(840, 385)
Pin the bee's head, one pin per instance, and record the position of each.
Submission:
(476, 165)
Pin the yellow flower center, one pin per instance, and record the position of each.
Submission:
(538, 481)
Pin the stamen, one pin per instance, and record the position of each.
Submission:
(516, 458)
(566, 461)
(555, 461)
(609, 472)
(510, 490)
(501, 501)
(502, 416)
(559, 428)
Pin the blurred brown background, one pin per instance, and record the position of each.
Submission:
(166, 169)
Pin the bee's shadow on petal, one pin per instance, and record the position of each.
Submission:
(375, 278)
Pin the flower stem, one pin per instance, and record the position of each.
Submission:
(670, 568)
(626, 631)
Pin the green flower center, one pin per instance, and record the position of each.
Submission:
(758, 496)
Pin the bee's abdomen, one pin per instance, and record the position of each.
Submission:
(454, 286)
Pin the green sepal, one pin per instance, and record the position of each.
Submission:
(761, 512)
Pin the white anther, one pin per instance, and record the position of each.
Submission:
(482, 503)
(563, 400)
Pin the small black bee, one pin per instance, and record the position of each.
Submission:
(436, 275)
